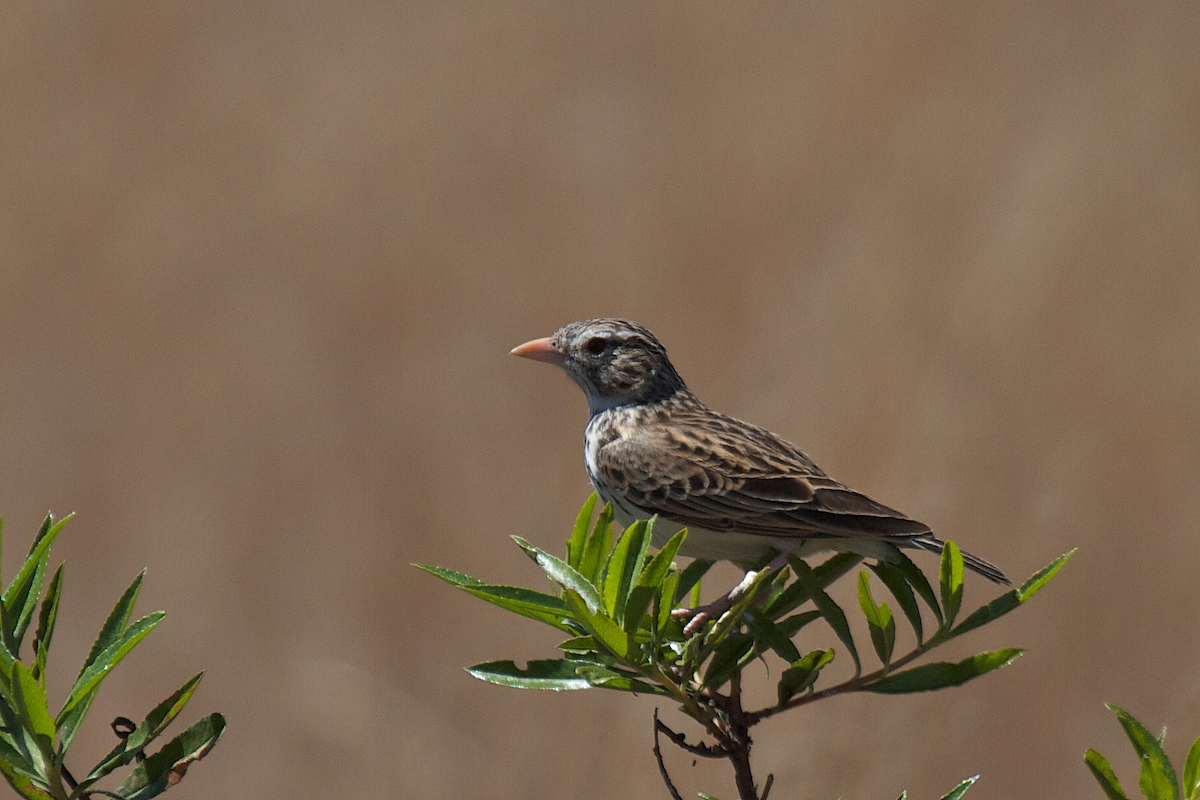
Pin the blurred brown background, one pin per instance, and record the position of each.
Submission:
(261, 264)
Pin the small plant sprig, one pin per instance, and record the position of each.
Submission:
(1157, 780)
(614, 600)
(34, 742)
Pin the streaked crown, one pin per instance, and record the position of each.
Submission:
(615, 362)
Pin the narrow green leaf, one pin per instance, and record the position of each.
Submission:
(19, 770)
(450, 576)
(1040, 578)
(958, 791)
(916, 579)
(149, 729)
(650, 578)
(30, 701)
(20, 597)
(1012, 599)
(557, 675)
(803, 673)
(790, 626)
(580, 531)
(168, 766)
(1154, 781)
(823, 574)
(535, 605)
(768, 635)
(732, 618)
(1104, 775)
(580, 646)
(620, 680)
(831, 611)
(610, 634)
(879, 620)
(45, 629)
(563, 573)
(1158, 780)
(597, 544)
(97, 670)
(950, 577)
(894, 580)
(623, 567)
(19, 775)
(942, 674)
(734, 651)
(664, 600)
(1191, 772)
(118, 618)
(690, 577)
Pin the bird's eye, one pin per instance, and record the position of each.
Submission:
(596, 345)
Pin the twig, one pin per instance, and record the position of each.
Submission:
(680, 741)
(662, 767)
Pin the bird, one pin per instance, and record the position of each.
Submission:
(653, 449)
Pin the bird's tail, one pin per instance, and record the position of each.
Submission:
(974, 563)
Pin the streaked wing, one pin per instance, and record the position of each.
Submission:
(715, 472)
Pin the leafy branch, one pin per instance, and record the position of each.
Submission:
(1157, 779)
(34, 742)
(614, 601)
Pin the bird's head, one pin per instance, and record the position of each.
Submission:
(615, 361)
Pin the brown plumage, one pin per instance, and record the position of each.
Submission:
(652, 447)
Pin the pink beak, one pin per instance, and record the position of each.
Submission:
(540, 350)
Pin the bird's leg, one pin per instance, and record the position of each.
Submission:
(701, 614)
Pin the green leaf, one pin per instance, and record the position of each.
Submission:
(536, 605)
(623, 567)
(823, 574)
(29, 700)
(830, 610)
(735, 650)
(879, 620)
(597, 544)
(769, 634)
(916, 579)
(450, 576)
(958, 791)
(942, 674)
(803, 673)
(1158, 780)
(790, 626)
(1040, 578)
(732, 618)
(149, 729)
(557, 675)
(580, 531)
(690, 577)
(19, 779)
(563, 573)
(168, 766)
(610, 634)
(1104, 775)
(894, 580)
(20, 597)
(650, 578)
(1012, 599)
(664, 600)
(45, 629)
(580, 645)
(1191, 772)
(97, 670)
(118, 618)
(619, 680)
(950, 577)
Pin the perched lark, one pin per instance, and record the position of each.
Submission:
(651, 447)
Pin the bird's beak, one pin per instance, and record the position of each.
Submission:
(540, 350)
